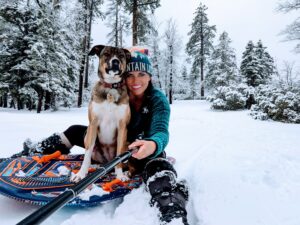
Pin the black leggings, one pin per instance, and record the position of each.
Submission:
(75, 134)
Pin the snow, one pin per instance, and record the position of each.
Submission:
(91, 191)
(240, 171)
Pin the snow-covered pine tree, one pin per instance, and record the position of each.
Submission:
(140, 22)
(222, 77)
(222, 68)
(173, 47)
(156, 55)
(41, 61)
(7, 38)
(292, 31)
(182, 84)
(50, 59)
(90, 10)
(266, 67)
(200, 44)
(257, 66)
(118, 23)
(280, 99)
(249, 66)
(17, 22)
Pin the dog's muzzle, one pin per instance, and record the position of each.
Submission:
(114, 67)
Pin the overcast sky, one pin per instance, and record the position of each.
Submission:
(244, 20)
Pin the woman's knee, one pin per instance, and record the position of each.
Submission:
(75, 134)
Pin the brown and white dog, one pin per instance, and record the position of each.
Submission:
(108, 112)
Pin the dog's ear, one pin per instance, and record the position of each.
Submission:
(96, 50)
(128, 54)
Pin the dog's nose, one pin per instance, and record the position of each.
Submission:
(115, 64)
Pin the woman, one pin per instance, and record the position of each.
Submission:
(147, 130)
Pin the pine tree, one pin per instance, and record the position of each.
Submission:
(14, 47)
(257, 66)
(156, 54)
(90, 9)
(249, 65)
(140, 22)
(222, 68)
(181, 84)
(265, 63)
(39, 67)
(200, 44)
(222, 78)
(118, 22)
(173, 48)
(49, 59)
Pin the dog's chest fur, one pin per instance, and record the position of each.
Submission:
(109, 114)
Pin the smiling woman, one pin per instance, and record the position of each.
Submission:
(137, 83)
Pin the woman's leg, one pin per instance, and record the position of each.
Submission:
(63, 142)
(75, 135)
(167, 194)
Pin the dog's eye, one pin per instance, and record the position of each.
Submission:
(122, 56)
(105, 54)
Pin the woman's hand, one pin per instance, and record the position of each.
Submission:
(145, 148)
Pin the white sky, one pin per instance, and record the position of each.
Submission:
(244, 20)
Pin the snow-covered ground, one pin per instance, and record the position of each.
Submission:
(240, 171)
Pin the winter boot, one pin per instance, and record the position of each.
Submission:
(25, 152)
(47, 146)
(169, 196)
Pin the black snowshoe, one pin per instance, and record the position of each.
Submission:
(46, 146)
(168, 195)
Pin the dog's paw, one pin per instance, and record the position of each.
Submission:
(77, 177)
(123, 176)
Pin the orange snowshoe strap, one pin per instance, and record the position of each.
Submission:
(108, 186)
(47, 158)
(91, 170)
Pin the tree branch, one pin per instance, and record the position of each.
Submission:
(289, 6)
(147, 3)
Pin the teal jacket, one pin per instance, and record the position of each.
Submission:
(152, 121)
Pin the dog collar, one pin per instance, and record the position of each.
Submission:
(114, 85)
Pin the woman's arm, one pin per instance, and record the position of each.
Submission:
(157, 137)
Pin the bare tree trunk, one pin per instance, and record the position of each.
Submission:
(81, 71)
(47, 103)
(134, 23)
(202, 61)
(156, 67)
(171, 76)
(4, 100)
(121, 33)
(83, 62)
(12, 104)
(116, 27)
(88, 44)
(20, 104)
(40, 101)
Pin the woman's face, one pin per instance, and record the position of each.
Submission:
(137, 82)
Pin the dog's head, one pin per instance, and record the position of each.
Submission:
(112, 62)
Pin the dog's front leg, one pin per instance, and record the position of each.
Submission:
(90, 140)
(121, 147)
